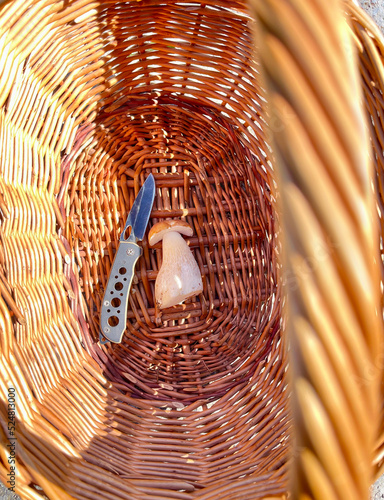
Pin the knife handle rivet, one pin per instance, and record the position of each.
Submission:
(106, 329)
(106, 303)
(129, 251)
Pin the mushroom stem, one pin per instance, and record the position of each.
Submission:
(179, 277)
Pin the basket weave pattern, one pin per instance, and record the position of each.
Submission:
(193, 402)
(329, 220)
(196, 393)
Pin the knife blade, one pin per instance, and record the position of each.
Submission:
(115, 302)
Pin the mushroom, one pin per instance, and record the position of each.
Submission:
(179, 277)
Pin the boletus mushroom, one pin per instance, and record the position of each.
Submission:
(179, 277)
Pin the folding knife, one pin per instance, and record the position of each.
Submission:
(115, 302)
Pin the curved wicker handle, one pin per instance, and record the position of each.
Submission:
(331, 243)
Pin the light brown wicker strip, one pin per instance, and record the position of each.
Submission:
(370, 44)
(331, 243)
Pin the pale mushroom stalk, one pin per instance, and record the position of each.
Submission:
(179, 277)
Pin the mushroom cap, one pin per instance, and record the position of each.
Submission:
(157, 231)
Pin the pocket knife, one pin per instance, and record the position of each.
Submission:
(115, 302)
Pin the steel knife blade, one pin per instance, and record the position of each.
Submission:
(115, 302)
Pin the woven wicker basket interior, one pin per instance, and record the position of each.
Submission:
(193, 402)
(175, 108)
(194, 396)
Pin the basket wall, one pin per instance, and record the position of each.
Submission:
(325, 169)
(371, 57)
(194, 398)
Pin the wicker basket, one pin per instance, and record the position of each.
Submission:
(193, 404)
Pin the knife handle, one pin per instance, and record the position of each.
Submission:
(115, 302)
